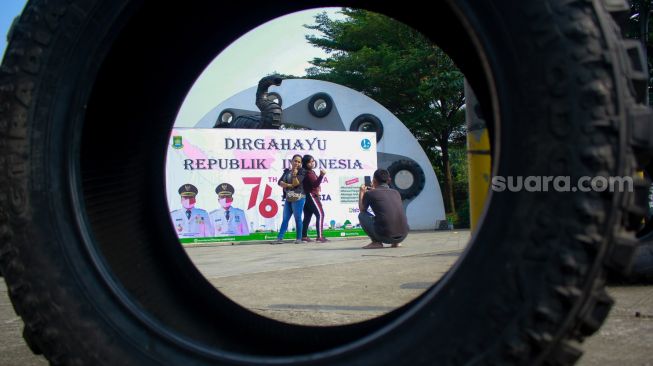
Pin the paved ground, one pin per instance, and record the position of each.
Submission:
(324, 284)
(338, 283)
(626, 338)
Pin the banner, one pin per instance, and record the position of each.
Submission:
(222, 184)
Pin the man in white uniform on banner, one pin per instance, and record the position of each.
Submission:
(191, 222)
(228, 220)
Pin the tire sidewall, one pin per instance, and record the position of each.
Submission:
(510, 271)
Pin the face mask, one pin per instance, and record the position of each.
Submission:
(188, 202)
(226, 202)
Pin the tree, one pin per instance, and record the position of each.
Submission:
(399, 68)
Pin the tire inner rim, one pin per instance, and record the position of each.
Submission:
(320, 105)
(404, 179)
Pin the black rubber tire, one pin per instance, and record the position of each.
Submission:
(219, 120)
(642, 269)
(419, 178)
(96, 272)
(277, 96)
(322, 112)
(368, 118)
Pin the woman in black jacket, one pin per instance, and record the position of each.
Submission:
(313, 204)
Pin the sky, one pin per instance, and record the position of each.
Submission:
(276, 46)
(9, 9)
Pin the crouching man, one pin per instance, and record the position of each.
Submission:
(388, 224)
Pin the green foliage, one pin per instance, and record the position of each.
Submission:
(459, 172)
(463, 215)
(399, 68)
(459, 165)
(460, 219)
(394, 65)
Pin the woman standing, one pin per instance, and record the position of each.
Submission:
(292, 183)
(313, 204)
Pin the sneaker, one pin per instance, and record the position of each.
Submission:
(299, 242)
(307, 239)
(278, 241)
(322, 240)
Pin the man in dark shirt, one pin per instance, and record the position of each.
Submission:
(388, 224)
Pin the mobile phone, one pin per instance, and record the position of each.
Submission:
(368, 181)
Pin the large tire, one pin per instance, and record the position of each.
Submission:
(88, 93)
(328, 105)
(642, 269)
(416, 174)
(368, 119)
